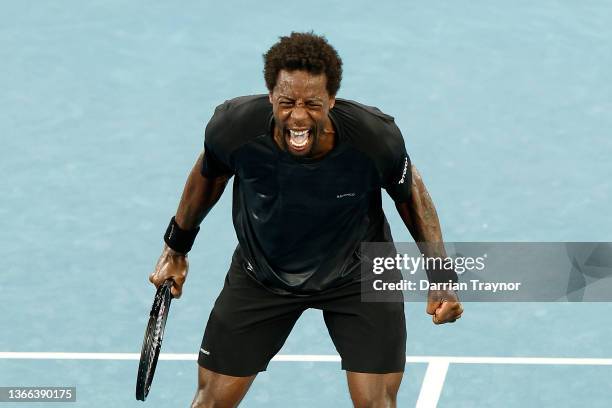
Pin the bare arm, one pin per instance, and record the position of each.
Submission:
(421, 219)
(199, 196)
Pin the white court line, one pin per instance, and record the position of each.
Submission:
(321, 358)
(432, 384)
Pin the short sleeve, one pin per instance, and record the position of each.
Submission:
(212, 167)
(216, 161)
(397, 177)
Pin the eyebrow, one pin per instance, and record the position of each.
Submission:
(311, 99)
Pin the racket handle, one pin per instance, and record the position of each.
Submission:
(169, 283)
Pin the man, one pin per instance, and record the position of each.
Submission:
(308, 171)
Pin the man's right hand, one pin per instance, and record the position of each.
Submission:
(171, 265)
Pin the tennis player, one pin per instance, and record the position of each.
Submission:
(308, 171)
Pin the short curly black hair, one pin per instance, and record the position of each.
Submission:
(303, 51)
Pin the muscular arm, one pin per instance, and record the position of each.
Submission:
(199, 196)
(421, 219)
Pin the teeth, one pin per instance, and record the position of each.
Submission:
(298, 139)
(295, 144)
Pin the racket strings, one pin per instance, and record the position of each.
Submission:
(153, 340)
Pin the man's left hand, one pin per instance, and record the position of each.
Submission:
(444, 306)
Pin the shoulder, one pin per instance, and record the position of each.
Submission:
(239, 119)
(368, 128)
(244, 106)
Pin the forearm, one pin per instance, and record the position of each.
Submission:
(199, 196)
(421, 219)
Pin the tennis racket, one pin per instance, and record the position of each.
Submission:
(153, 337)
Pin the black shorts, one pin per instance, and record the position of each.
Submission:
(249, 324)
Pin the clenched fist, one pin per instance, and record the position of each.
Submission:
(444, 306)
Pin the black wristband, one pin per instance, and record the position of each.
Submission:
(441, 275)
(179, 239)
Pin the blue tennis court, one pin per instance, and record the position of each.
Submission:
(506, 110)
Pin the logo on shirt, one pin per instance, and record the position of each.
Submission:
(404, 172)
(345, 195)
(205, 351)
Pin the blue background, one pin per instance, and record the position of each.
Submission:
(505, 109)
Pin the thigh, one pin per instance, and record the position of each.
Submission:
(218, 390)
(374, 390)
(369, 336)
(247, 326)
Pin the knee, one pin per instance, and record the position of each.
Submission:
(204, 398)
(219, 391)
(382, 399)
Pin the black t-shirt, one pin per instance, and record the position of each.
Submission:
(300, 221)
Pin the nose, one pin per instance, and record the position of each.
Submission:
(299, 115)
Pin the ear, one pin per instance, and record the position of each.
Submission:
(270, 97)
(332, 102)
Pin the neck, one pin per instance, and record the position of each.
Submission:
(327, 140)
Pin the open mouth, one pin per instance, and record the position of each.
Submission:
(299, 140)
